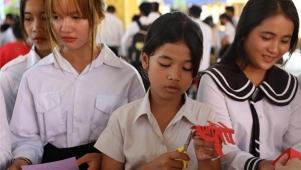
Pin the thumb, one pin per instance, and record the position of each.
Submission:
(82, 160)
(283, 159)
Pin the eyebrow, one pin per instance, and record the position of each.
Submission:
(169, 58)
(31, 13)
(271, 33)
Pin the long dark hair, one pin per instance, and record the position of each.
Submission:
(253, 14)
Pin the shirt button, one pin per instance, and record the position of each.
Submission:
(43, 109)
(76, 104)
(75, 129)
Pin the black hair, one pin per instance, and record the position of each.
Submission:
(209, 21)
(22, 18)
(4, 27)
(111, 9)
(176, 27)
(195, 11)
(230, 8)
(9, 16)
(225, 16)
(253, 14)
(16, 28)
(145, 8)
(155, 6)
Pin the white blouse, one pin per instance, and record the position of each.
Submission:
(56, 104)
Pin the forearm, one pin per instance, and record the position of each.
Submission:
(209, 165)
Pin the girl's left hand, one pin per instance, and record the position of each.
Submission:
(92, 159)
(204, 150)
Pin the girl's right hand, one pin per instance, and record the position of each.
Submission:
(17, 164)
(167, 161)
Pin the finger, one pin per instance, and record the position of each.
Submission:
(178, 155)
(283, 159)
(82, 160)
(209, 151)
(177, 164)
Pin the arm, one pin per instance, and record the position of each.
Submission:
(136, 90)
(210, 94)
(8, 93)
(110, 163)
(25, 135)
(5, 143)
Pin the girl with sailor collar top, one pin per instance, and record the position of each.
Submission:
(260, 101)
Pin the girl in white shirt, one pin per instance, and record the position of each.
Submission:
(5, 143)
(32, 16)
(260, 101)
(65, 100)
(146, 133)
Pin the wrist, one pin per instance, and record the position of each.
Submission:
(22, 160)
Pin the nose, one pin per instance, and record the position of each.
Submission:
(175, 74)
(37, 26)
(66, 25)
(274, 47)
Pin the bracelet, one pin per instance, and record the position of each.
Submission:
(213, 159)
(24, 159)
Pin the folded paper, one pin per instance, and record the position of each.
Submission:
(292, 153)
(66, 164)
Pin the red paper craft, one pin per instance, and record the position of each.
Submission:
(215, 133)
(292, 153)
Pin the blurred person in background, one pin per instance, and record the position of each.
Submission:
(111, 30)
(154, 14)
(8, 35)
(230, 11)
(229, 33)
(12, 50)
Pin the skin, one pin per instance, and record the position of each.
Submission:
(35, 26)
(285, 164)
(265, 45)
(73, 32)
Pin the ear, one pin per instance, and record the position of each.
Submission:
(144, 60)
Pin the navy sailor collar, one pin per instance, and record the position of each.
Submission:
(279, 87)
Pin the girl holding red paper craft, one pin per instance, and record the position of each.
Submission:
(260, 101)
(65, 100)
(145, 134)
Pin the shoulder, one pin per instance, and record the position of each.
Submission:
(15, 63)
(127, 112)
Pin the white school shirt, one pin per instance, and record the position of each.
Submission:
(132, 29)
(111, 30)
(280, 126)
(207, 38)
(11, 74)
(134, 138)
(56, 104)
(7, 37)
(230, 32)
(5, 142)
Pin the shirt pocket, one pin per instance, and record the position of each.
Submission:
(104, 106)
(50, 117)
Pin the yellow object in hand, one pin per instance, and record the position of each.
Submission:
(183, 148)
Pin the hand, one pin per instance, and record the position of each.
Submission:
(17, 164)
(265, 165)
(204, 150)
(167, 161)
(92, 159)
(284, 164)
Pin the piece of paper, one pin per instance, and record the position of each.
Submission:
(66, 164)
(216, 133)
(292, 153)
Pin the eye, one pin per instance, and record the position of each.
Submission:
(43, 18)
(285, 42)
(187, 69)
(266, 38)
(55, 17)
(76, 17)
(27, 19)
(164, 65)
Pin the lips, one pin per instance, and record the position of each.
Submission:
(69, 39)
(39, 39)
(268, 58)
(172, 89)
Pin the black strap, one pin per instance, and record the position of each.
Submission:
(255, 143)
(52, 153)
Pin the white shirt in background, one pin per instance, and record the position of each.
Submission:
(7, 37)
(11, 74)
(134, 138)
(5, 143)
(207, 38)
(55, 104)
(153, 16)
(299, 79)
(229, 31)
(132, 29)
(111, 30)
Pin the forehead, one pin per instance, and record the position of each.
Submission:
(175, 51)
(279, 25)
(65, 6)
